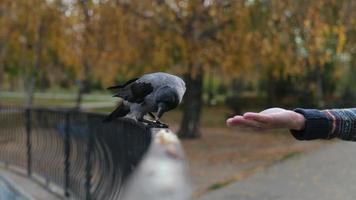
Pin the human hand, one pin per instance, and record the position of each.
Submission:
(272, 118)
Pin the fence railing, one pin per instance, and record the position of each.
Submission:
(72, 153)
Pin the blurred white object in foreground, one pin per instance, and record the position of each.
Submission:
(162, 174)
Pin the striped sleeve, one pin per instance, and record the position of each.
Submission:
(327, 124)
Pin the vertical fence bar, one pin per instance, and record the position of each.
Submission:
(88, 167)
(66, 156)
(28, 141)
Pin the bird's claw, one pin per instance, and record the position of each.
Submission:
(153, 124)
(162, 125)
(156, 124)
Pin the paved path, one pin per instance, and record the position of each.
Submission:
(28, 186)
(326, 174)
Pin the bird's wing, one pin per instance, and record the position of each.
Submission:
(157, 79)
(139, 91)
(122, 85)
(134, 92)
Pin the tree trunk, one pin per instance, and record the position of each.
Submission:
(271, 91)
(37, 63)
(2, 66)
(1, 81)
(84, 83)
(2, 62)
(192, 107)
(319, 90)
(79, 96)
(31, 90)
(210, 88)
(2, 78)
(83, 88)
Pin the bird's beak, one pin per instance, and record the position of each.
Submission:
(161, 110)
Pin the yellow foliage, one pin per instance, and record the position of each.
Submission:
(111, 38)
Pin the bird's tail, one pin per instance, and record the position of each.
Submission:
(120, 111)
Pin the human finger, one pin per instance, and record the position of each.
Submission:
(241, 121)
(262, 118)
(234, 120)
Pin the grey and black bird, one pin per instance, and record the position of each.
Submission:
(151, 93)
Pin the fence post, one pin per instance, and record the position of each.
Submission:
(28, 140)
(66, 155)
(90, 146)
(149, 182)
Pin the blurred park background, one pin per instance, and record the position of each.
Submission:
(235, 56)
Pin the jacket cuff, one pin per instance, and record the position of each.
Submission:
(317, 125)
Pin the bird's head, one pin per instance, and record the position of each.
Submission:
(166, 100)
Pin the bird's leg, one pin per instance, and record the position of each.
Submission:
(152, 115)
(158, 121)
(146, 121)
(163, 125)
(153, 124)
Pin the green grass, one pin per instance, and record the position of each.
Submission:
(212, 116)
(51, 99)
(37, 102)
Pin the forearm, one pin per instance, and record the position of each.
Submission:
(344, 123)
(327, 124)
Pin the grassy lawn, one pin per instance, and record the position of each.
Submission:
(13, 101)
(212, 116)
(52, 99)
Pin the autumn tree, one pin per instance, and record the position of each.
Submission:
(308, 45)
(31, 29)
(190, 37)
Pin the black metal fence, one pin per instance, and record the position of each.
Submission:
(72, 153)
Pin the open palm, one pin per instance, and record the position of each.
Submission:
(273, 118)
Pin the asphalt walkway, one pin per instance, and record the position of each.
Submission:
(326, 174)
(28, 186)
